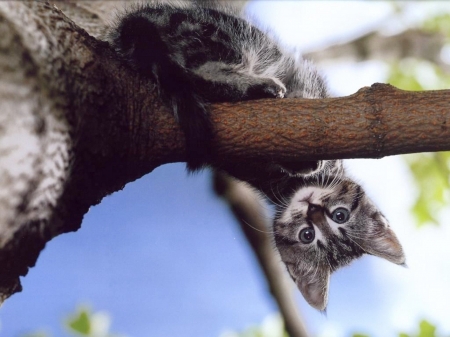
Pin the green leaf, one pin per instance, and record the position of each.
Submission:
(360, 335)
(403, 75)
(426, 329)
(431, 173)
(438, 24)
(272, 326)
(402, 334)
(81, 323)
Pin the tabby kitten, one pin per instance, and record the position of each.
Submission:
(326, 221)
(201, 52)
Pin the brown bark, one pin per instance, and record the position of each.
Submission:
(376, 121)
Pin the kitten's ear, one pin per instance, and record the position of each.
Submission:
(314, 287)
(382, 241)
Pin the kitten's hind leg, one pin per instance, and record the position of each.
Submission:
(193, 117)
(139, 40)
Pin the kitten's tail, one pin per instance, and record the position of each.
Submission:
(137, 38)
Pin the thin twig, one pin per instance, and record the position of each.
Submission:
(250, 214)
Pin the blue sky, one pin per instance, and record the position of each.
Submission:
(165, 258)
(163, 249)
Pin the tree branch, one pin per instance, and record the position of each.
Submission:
(413, 43)
(375, 122)
(254, 222)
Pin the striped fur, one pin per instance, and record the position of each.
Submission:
(201, 52)
(335, 245)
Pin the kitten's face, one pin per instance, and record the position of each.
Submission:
(326, 224)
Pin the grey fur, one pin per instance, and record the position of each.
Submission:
(335, 244)
(203, 52)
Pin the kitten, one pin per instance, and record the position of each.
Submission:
(324, 220)
(199, 53)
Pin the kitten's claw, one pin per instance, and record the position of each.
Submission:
(268, 88)
(274, 89)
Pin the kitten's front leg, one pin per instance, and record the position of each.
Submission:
(265, 88)
(219, 82)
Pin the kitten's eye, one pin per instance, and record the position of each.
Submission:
(340, 215)
(307, 235)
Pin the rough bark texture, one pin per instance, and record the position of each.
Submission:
(376, 121)
(97, 125)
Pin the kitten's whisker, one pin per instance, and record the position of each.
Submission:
(280, 202)
(350, 238)
(318, 252)
(256, 229)
(283, 199)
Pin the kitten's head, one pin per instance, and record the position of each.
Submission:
(326, 223)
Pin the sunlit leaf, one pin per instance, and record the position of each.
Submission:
(426, 329)
(431, 173)
(413, 74)
(85, 323)
(272, 326)
(81, 323)
(402, 76)
(402, 334)
(438, 24)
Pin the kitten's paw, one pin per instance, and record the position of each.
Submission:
(267, 88)
(276, 90)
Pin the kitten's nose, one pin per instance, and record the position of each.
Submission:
(312, 208)
(317, 215)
